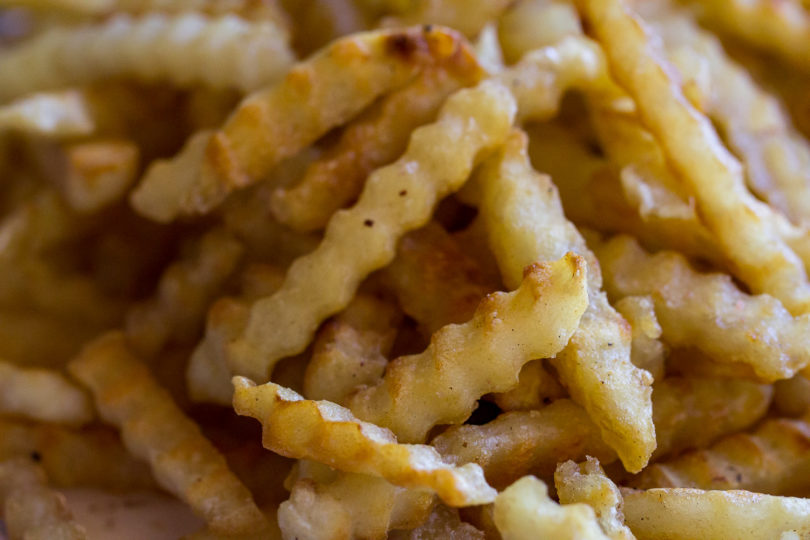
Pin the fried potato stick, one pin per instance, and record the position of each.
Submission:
(464, 362)
(275, 123)
(524, 511)
(42, 394)
(328, 433)
(586, 483)
(683, 514)
(397, 198)
(708, 311)
(525, 224)
(155, 429)
(185, 49)
(31, 510)
(52, 114)
(755, 251)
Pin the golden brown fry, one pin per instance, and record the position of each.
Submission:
(186, 49)
(328, 433)
(153, 428)
(536, 388)
(396, 199)
(586, 483)
(707, 311)
(42, 394)
(435, 280)
(710, 173)
(772, 459)
(525, 224)
(55, 114)
(31, 510)
(525, 442)
(272, 124)
(177, 309)
(683, 514)
(524, 511)
(464, 362)
(646, 350)
(352, 349)
(374, 139)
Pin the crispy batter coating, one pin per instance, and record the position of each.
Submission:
(42, 394)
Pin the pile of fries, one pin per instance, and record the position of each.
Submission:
(425, 269)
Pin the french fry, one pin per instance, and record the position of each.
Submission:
(185, 49)
(396, 199)
(586, 483)
(443, 522)
(524, 511)
(351, 350)
(532, 24)
(646, 350)
(525, 224)
(374, 139)
(757, 253)
(42, 394)
(31, 510)
(507, 331)
(272, 124)
(154, 429)
(676, 514)
(177, 309)
(55, 114)
(536, 388)
(707, 311)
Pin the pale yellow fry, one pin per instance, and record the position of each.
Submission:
(42, 394)
(396, 199)
(708, 311)
(468, 16)
(177, 309)
(55, 114)
(586, 483)
(184, 49)
(526, 224)
(684, 514)
(525, 442)
(536, 388)
(781, 28)
(646, 349)
(464, 362)
(155, 429)
(352, 349)
(443, 523)
(376, 138)
(31, 510)
(524, 511)
(771, 459)
(328, 433)
(275, 123)
(757, 253)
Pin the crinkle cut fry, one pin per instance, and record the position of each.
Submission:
(185, 49)
(376, 138)
(525, 224)
(464, 362)
(30, 509)
(752, 245)
(328, 433)
(771, 459)
(707, 311)
(587, 483)
(396, 199)
(683, 514)
(272, 124)
(55, 114)
(155, 429)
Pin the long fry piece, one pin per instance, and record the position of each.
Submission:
(396, 199)
(153, 428)
(42, 394)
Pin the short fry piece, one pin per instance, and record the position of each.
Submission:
(464, 362)
(153, 428)
(329, 433)
(31, 510)
(272, 124)
(42, 394)
(397, 198)
(524, 511)
(58, 114)
(586, 483)
(684, 514)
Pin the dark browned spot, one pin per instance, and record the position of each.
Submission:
(35, 456)
(369, 223)
(405, 45)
